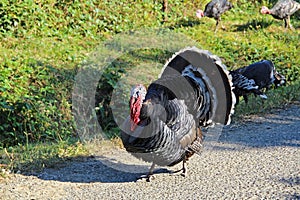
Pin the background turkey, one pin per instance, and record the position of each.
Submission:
(254, 78)
(194, 90)
(283, 9)
(214, 9)
(244, 86)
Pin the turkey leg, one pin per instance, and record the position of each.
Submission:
(149, 176)
(217, 23)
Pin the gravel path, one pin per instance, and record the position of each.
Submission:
(256, 159)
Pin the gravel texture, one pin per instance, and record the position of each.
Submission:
(258, 158)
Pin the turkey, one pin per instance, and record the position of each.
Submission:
(254, 78)
(244, 86)
(164, 126)
(215, 9)
(283, 9)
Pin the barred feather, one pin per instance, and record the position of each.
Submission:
(217, 7)
(284, 8)
(254, 78)
(194, 90)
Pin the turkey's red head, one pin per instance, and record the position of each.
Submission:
(199, 13)
(264, 10)
(137, 97)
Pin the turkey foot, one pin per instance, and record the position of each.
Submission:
(150, 175)
(182, 170)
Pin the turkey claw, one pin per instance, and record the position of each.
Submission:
(183, 174)
(148, 177)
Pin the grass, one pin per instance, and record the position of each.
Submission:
(248, 37)
(35, 157)
(277, 98)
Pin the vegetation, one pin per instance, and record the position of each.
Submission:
(44, 44)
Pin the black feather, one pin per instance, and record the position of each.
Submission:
(185, 98)
(254, 78)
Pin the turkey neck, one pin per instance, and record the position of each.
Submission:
(163, 96)
(154, 104)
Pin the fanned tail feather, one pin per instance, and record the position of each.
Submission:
(213, 74)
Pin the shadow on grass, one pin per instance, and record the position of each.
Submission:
(185, 23)
(253, 25)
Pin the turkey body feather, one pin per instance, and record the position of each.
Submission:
(165, 122)
(214, 9)
(174, 108)
(255, 77)
(283, 9)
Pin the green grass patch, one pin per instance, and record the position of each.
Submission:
(35, 157)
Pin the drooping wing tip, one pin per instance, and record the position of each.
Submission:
(263, 96)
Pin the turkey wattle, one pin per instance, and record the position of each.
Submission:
(283, 9)
(214, 9)
(193, 91)
(254, 78)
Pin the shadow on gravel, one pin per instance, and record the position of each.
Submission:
(291, 182)
(97, 169)
(277, 129)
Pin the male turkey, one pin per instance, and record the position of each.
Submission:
(214, 9)
(194, 90)
(283, 9)
(254, 78)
